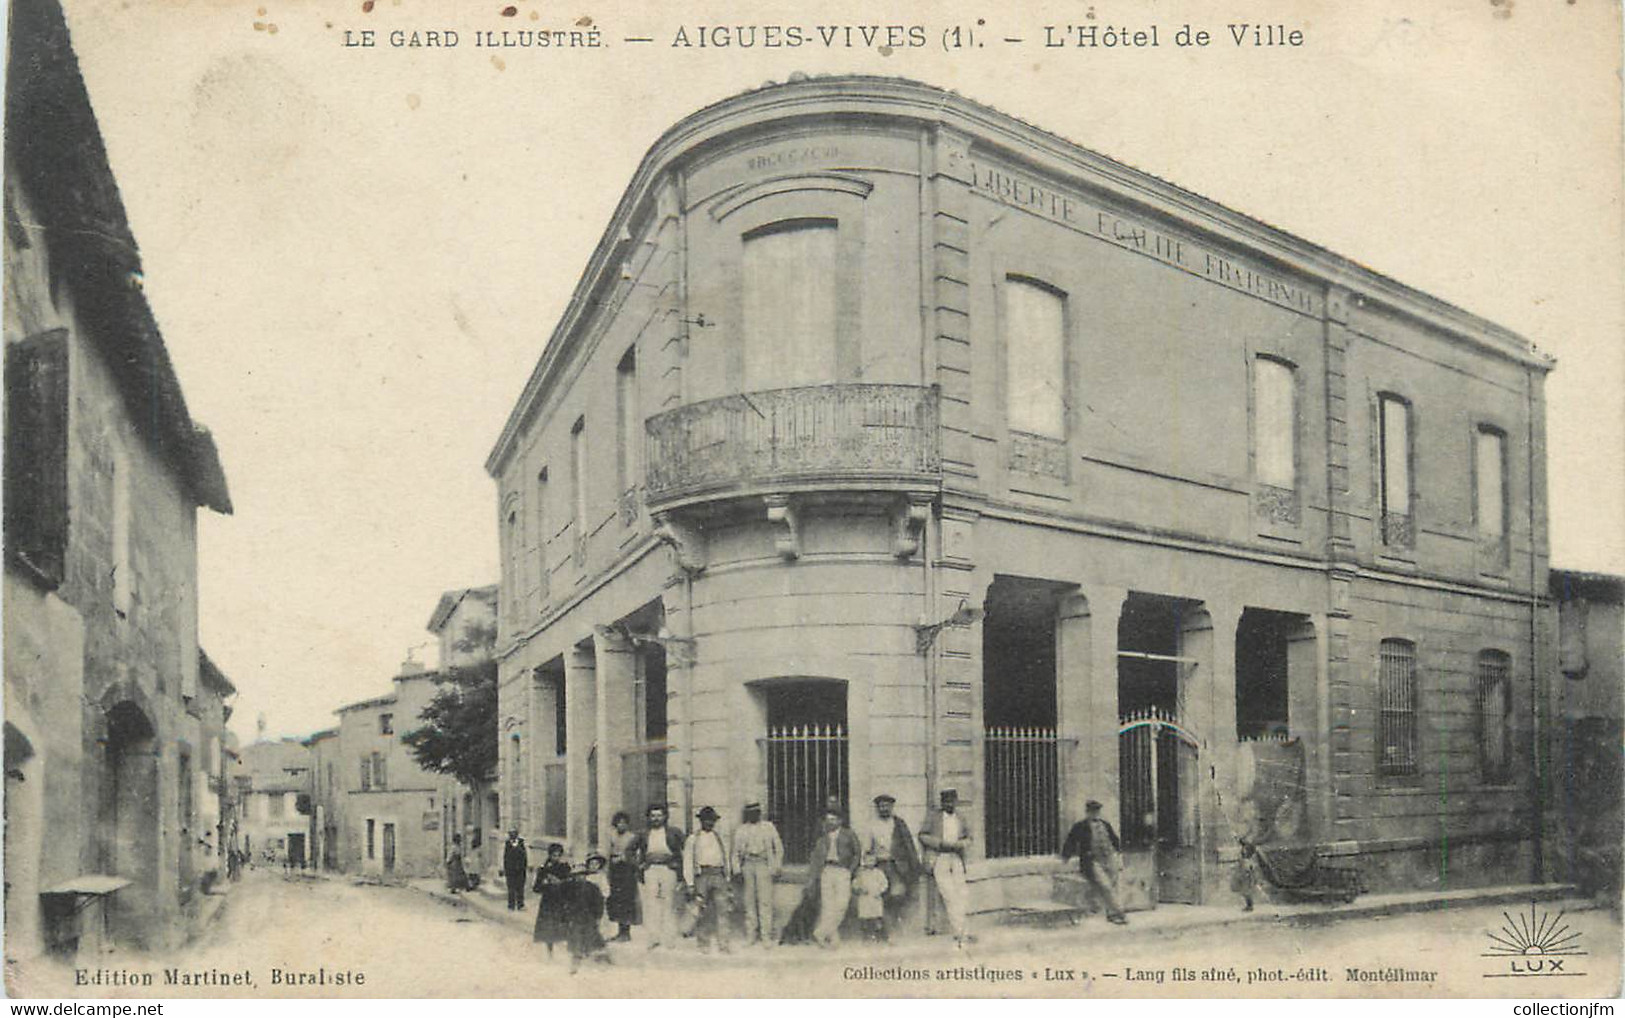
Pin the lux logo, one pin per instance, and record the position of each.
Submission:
(1534, 945)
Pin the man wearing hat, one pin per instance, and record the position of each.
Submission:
(887, 839)
(708, 870)
(757, 855)
(831, 864)
(946, 838)
(659, 857)
(1096, 845)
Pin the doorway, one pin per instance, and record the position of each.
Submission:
(129, 835)
(804, 756)
(296, 851)
(1158, 765)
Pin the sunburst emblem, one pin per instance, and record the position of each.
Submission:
(1530, 935)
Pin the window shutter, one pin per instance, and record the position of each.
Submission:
(36, 450)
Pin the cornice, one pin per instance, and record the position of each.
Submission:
(910, 104)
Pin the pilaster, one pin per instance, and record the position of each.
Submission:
(616, 670)
(580, 736)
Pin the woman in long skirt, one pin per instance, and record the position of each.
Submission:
(456, 874)
(623, 878)
(552, 881)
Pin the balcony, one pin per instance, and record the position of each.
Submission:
(842, 437)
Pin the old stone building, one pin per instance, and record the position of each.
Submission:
(275, 781)
(891, 444)
(111, 727)
(388, 816)
(1587, 704)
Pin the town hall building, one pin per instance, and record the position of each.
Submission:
(890, 444)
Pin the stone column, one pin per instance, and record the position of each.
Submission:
(1212, 699)
(615, 717)
(580, 734)
(1097, 740)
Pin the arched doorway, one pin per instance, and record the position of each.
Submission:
(130, 806)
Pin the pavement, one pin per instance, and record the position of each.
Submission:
(1166, 921)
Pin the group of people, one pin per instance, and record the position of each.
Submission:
(663, 878)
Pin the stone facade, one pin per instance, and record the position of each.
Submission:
(1034, 477)
(1584, 810)
(110, 735)
(276, 777)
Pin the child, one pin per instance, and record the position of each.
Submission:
(551, 878)
(869, 896)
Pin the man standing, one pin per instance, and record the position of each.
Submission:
(707, 869)
(515, 865)
(660, 860)
(889, 841)
(757, 855)
(1095, 844)
(946, 838)
(834, 859)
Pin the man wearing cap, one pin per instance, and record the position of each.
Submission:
(888, 840)
(945, 838)
(708, 870)
(757, 855)
(1096, 845)
(659, 855)
(832, 862)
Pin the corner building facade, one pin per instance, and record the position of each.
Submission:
(890, 444)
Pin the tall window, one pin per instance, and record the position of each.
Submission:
(36, 454)
(276, 804)
(1489, 491)
(372, 840)
(386, 724)
(513, 541)
(366, 774)
(542, 574)
(122, 574)
(627, 422)
(380, 778)
(578, 482)
(1396, 704)
(1394, 452)
(1275, 423)
(789, 304)
(1035, 358)
(1494, 717)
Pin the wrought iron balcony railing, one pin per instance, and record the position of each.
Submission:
(842, 436)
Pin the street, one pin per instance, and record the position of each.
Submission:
(301, 936)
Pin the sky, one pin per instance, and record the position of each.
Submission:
(357, 254)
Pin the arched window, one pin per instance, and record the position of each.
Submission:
(789, 304)
(1494, 717)
(1396, 707)
(1034, 332)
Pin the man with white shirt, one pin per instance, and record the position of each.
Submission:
(887, 839)
(758, 852)
(833, 860)
(708, 871)
(946, 838)
(659, 855)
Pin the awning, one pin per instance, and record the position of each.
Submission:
(91, 884)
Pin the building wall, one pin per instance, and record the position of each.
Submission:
(1152, 486)
(140, 649)
(412, 799)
